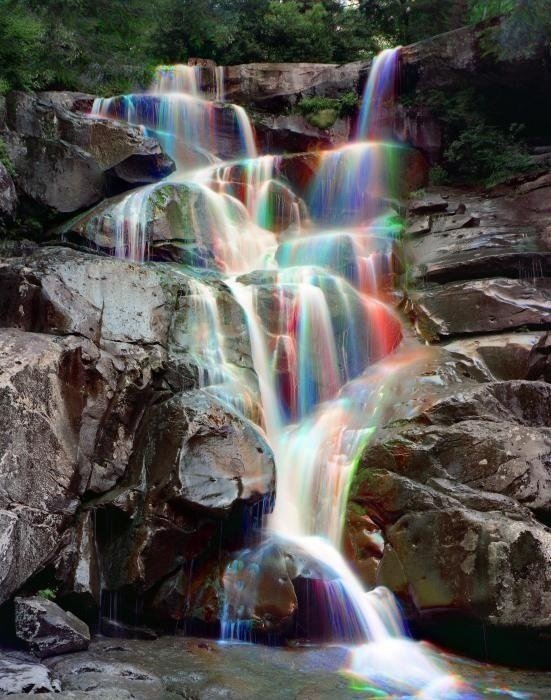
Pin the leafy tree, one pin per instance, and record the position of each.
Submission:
(21, 35)
(293, 33)
(525, 26)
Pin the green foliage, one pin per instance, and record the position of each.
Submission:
(324, 119)
(438, 175)
(47, 593)
(524, 26)
(323, 112)
(92, 45)
(21, 36)
(481, 10)
(477, 151)
(487, 154)
(110, 46)
(5, 159)
(348, 103)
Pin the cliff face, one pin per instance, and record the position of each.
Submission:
(460, 491)
(123, 485)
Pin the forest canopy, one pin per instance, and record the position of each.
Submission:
(111, 46)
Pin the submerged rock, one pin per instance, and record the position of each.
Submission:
(47, 630)
(91, 675)
(19, 674)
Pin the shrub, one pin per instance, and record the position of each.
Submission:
(487, 154)
(47, 593)
(323, 112)
(438, 175)
(5, 159)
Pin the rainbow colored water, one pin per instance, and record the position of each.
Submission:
(310, 259)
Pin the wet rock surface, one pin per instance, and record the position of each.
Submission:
(272, 86)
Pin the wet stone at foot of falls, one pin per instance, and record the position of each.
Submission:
(306, 244)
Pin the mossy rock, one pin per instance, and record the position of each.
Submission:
(324, 119)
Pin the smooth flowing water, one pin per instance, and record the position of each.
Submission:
(311, 267)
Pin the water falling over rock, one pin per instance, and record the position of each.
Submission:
(310, 259)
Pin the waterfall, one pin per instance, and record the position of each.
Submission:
(378, 102)
(309, 269)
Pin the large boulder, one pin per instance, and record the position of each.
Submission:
(196, 464)
(75, 381)
(450, 507)
(199, 454)
(180, 222)
(66, 160)
(175, 222)
(47, 630)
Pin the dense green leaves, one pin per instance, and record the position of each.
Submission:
(525, 26)
(111, 45)
(20, 35)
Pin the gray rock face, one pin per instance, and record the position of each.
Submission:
(505, 355)
(67, 390)
(492, 252)
(64, 159)
(461, 488)
(487, 305)
(474, 236)
(47, 630)
(36, 398)
(91, 351)
(292, 133)
(270, 85)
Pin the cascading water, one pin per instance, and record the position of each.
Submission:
(309, 267)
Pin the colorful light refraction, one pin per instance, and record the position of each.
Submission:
(307, 246)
